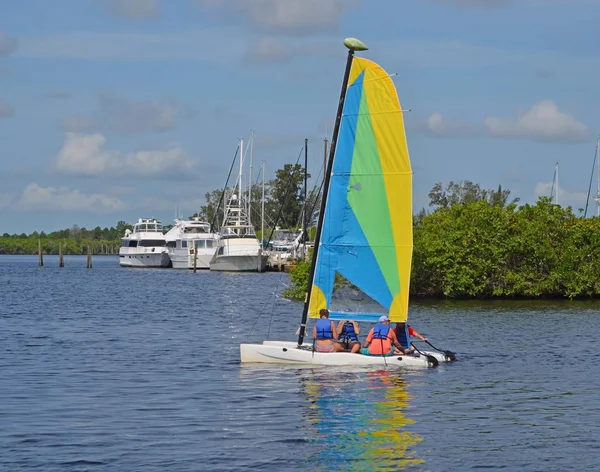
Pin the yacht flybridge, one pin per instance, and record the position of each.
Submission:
(145, 246)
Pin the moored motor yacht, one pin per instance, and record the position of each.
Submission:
(191, 242)
(145, 246)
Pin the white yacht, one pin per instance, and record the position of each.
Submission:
(238, 248)
(189, 240)
(286, 244)
(145, 246)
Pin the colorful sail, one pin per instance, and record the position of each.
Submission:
(364, 257)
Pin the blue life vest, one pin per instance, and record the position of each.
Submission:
(348, 334)
(402, 335)
(323, 326)
(380, 331)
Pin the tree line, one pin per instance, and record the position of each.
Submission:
(74, 240)
(283, 206)
(478, 243)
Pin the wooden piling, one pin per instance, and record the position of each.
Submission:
(89, 257)
(195, 259)
(40, 255)
(61, 261)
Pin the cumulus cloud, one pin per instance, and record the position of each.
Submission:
(123, 115)
(133, 9)
(287, 16)
(85, 155)
(35, 197)
(440, 126)
(542, 122)
(6, 109)
(7, 45)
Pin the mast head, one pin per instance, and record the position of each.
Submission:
(355, 44)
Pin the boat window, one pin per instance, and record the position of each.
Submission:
(200, 244)
(159, 228)
(133, 243)
(220, 251)
(152, 243)
(142, 228)
(125, 243)
(171, 244)
(183, 243)
(209, 243)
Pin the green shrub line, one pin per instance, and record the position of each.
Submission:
(483, 250)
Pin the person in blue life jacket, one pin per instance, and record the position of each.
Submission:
(404, 332)
(325, 334)
(348, 332)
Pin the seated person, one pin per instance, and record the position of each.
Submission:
(404, 332)
(381, 338)
(325, 334)
(348, 332)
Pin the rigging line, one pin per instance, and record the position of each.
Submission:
(591, 180)
(431, 359)
(290, 180)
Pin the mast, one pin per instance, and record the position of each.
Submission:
(352, 45)
(598, 176)
(262, 205)
(324, 155)
(304, 215)
(556, 187)
(250, 177)
(240, 179)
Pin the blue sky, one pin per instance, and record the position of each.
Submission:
(117, 109)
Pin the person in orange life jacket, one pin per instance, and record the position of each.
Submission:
(381, 338)
(404, 332)
(325, 334)
(348, 332)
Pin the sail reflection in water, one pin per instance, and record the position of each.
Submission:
(359, 420)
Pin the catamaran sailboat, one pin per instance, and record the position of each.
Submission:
(145, 246)
(363, 246)
(191, 242)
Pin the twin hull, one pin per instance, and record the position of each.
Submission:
(286, 352)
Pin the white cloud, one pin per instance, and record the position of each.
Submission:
(35, 197)
(7, 45)
(134, 9)
(565, 198)
(85, 155)
(269, 49)
(6, 109)
(124, 115)
(288, 16)
(440, 126)
(542, 122)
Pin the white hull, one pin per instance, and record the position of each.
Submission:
(185, 261)
(240, 263)
(160, 259)
(287, 352)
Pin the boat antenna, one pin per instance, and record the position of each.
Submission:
(353, 45)
(212, 223)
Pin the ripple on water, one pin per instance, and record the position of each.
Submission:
(116, 369)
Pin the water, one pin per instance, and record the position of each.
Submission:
(123, 369)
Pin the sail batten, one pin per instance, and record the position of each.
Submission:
(363, 263)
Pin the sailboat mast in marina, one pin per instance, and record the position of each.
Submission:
(361, 263)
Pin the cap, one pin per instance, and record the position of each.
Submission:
(383, 318)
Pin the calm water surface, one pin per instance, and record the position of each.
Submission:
(125, 369)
